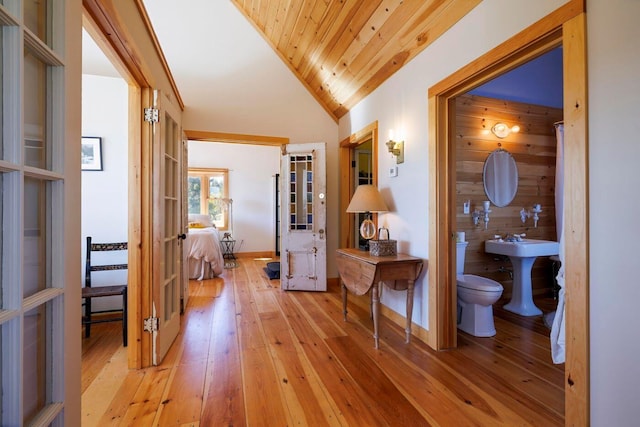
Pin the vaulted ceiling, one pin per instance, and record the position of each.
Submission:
(342, 50)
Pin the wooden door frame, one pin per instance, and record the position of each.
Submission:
(110, 33)
(564, 27)
(347, 179)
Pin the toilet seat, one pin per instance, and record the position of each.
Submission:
(478, 283)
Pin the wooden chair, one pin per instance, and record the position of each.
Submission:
(89, 292)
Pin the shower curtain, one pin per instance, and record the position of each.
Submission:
(557, 328)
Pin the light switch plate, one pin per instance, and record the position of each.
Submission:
(393, 171)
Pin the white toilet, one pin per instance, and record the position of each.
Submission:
(476, 296)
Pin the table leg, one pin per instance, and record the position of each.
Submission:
(344, 302)
(375, 310)
(409, 309)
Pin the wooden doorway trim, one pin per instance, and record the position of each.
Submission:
(236, 138)
(105, 22)
(139, 293)
(347, 178)
(564, 27)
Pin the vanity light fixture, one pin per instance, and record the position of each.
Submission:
(524, 214)
(482, 215)
(501, 130)
(396, 148)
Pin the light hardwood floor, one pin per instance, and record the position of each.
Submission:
(251, 354)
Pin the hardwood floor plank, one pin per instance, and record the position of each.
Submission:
(98, 396)
(251, 354)
(440, 394)
(206, 288)
(301, 397)
(147, 399)
(105, 340)
(224, 398)
(394, 408)
(120, 403)
(552, 374)
(324, 323)
(506, 370)
(493, 410)
(197, 332)
(182, 402)
(522, 339)
(353, 404)
(263, 398)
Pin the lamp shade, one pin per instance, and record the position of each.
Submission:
(367, 198)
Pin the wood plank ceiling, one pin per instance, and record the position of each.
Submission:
(342, 50)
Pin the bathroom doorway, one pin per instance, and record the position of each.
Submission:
(529, 100)
(564, 27)
(358, 153)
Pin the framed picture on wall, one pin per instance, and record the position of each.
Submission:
(91, 153)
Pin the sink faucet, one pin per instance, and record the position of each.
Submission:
(510, 237)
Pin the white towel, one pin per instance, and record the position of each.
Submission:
(557, 329)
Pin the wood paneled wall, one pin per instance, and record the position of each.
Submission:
(534, 149)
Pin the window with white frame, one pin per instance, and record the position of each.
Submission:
(208, 193)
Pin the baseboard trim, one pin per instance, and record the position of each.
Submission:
(259, 254)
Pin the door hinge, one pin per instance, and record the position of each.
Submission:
(151, 324)
(151, 115)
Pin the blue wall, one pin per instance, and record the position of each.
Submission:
(537, 82)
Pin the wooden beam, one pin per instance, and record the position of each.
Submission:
(197, 135)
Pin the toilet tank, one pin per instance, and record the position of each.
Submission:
(461, 248)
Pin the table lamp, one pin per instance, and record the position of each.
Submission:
(367, 199)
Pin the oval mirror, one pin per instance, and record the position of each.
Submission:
(500, 177)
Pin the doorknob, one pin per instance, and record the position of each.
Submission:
(182, 236)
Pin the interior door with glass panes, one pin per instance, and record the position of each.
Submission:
(39, 213)
(184, 226)
(167, 223)
(303, 256)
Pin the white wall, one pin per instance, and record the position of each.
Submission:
(614, 91)
(252, 171)
(401, 104)
(614, 206)
(253, 93)
(105, 193)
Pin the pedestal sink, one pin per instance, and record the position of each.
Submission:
(522, 255)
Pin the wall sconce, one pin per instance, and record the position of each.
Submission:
(501, 130)
(524, 214)
(482, 215)
(396, 148)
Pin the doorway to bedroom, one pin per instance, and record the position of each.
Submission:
(105, 202)
(252, 166)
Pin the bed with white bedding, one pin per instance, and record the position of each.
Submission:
(204, 254)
